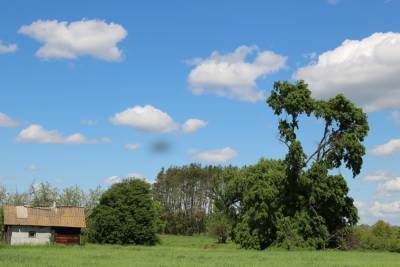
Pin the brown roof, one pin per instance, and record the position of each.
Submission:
(57, 217)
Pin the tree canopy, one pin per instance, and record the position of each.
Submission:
(297, 202)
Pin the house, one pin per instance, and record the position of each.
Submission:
(29, 225)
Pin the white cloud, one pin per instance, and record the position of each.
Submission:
(215, 155)
(367, 71)
(370, 212)
(31, 168)
(65, 40)
(117, 179)
(146, 118)
(37, 134)
(379, 209)
(7, 122)
(132, 146)
(192, 125)
(113, 180)
(10, 48)
(389, 148)
(378, 176)
(390, 186)
(232, 75)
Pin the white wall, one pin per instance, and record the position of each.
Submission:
(20, 235)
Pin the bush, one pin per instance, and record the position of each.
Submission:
(380, 236)
(219, 226)
(126, 214)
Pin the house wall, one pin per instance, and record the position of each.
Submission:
(20, 235)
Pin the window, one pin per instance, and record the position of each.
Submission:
(32, 234)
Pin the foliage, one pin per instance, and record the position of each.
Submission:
(43, 195)
(380, 236)
(3, 195)
(72, 196)
(219, 226)
(185, 196)
(125, 215)
(296, 202)
(345, 125)
(260, 200)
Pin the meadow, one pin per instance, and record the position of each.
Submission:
(185, 251)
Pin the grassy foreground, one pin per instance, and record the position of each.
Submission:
(185, 251)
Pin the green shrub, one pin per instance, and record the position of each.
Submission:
(380, 236)
(126, 215)
(219, 226)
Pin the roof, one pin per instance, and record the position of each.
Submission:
(56, 217)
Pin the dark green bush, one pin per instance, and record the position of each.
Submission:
(126, 215)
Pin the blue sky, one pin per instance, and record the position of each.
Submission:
(82, 80)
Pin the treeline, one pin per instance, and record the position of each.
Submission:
(44, 195)
(380, 236)
(237, 202)
(185, 195)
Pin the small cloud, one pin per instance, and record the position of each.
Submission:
(89, 122)
(31, 168)
(7, 122)
(146, 118)
(132, 146)
(192, 125)
(113, 180)
(389, 187)
(117, 179)
(63, 40)
(37, 134)
(379, 209)
(10, 48)
(378, 176)
(214, 155)
(389, 148)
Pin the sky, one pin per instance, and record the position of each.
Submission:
(95, 91)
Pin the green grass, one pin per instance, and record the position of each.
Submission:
(185, 251)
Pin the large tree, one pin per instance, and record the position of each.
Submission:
(309, 207)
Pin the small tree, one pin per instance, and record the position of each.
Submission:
(72, 196)
(219, 226)
(126, 215)
(43, 195)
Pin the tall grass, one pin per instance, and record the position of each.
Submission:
(185, 251)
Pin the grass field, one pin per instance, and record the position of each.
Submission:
(185, 251)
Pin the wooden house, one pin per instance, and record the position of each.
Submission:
(29, 225)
